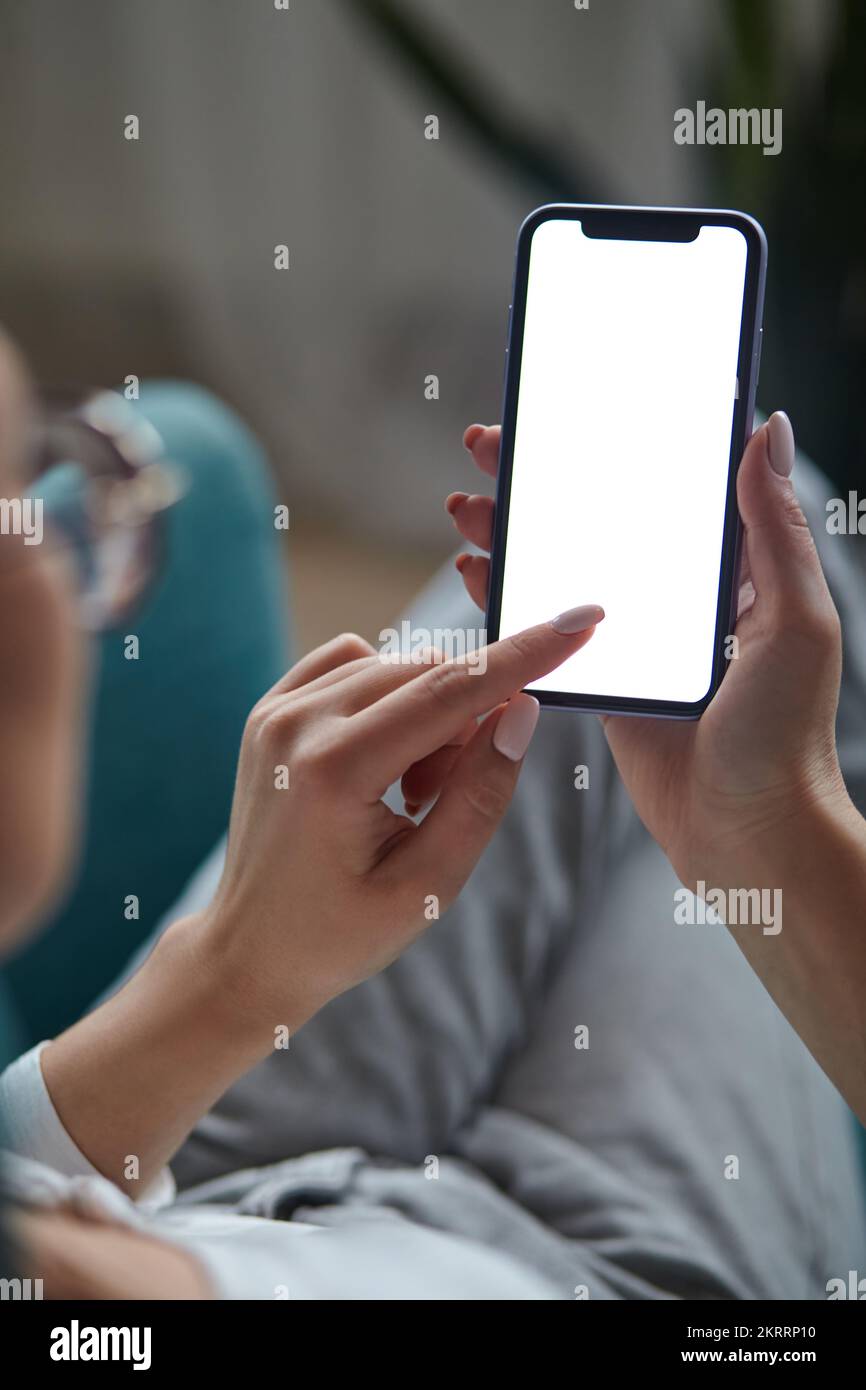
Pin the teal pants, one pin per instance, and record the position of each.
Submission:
(212, 638)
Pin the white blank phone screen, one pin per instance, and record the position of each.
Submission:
(625, 409)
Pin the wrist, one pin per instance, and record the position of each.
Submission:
(786, 842)
(250, 1001)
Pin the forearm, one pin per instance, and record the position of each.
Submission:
(815, 966)
(131, 1080)
(78, 1259)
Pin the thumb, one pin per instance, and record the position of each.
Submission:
(474, 798)
(783, 561)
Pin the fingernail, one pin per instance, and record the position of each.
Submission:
(516, 726)
(577, 619)
(453, 501)
(780, 444)
(471, 435)
(461, 562)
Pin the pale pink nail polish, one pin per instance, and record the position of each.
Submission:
(516, 726)
(780, 444)
(578, 619)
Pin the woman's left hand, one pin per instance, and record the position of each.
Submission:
(764, 751)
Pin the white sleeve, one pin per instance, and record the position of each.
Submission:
(31, 1127)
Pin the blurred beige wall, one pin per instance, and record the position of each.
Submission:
(261, 127)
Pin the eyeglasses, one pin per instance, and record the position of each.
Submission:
(99, 474)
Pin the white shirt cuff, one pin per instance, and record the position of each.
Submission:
(31, 1127)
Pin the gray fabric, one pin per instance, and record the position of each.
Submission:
(603, 1169)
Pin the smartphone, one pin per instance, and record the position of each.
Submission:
(633, 355)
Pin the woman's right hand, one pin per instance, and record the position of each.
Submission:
(324, 885)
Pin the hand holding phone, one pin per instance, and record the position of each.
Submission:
(751, 797)
(763, 753)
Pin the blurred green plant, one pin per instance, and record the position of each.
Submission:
(441, 65)
(811, 198)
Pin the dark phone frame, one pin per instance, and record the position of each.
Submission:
(639, 224)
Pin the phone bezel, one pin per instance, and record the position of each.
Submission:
(644, 224)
